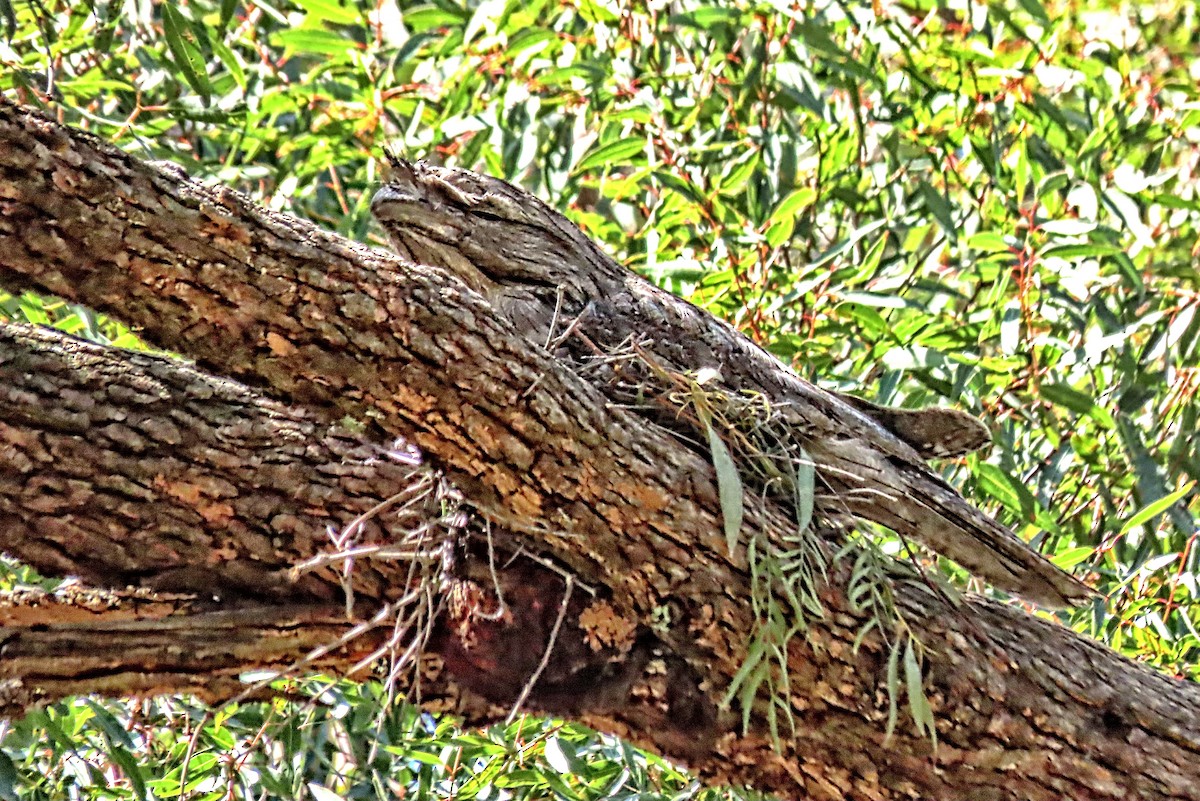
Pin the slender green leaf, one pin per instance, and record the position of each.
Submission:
(1156, 508)
(729, 488)
(185, 52)
(618, 152)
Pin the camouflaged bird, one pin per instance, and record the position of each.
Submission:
(550, 280)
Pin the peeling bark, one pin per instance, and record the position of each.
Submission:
(1025, 709)
(201, 653)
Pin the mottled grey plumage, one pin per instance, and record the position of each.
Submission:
(933, 432)
(544, 274)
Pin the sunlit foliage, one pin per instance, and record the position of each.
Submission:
(989, 205)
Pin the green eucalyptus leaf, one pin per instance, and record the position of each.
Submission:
(185, 52)
(618, 152)
(729, 488)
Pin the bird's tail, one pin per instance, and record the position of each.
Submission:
(927, 509)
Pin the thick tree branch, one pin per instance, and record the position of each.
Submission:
(147, 445)
(124, 468)
(557, 286)
(199, 653)
(345, 331)
(1025, 709)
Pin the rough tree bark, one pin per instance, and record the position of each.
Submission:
(127, 469)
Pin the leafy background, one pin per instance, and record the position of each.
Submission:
(988, 205)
